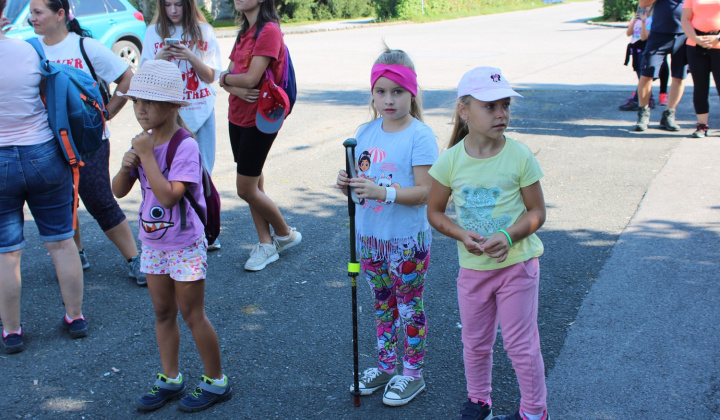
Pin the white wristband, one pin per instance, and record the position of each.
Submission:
(390, 194)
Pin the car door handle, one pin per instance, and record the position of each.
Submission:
(111, 21)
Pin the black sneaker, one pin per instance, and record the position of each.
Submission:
(643, 119)
(701, 131)
(13, 343)
(77, 329)
(205, 395)
(629, 105)
(473, 411)
(518, 416)
(161, 392)
(667, 122)
(134, 271)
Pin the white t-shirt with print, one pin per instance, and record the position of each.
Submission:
(108, 66)
(200, 94)
(388, 159)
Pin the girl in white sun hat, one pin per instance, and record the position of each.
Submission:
(174, 254)
(495, 183)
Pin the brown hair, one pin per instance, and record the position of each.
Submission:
(399, 57)
(192, 17)
(460, 127)
(267, 13)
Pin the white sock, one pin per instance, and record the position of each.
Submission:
(5, 333)
(70, 320)
(533, 416)
(286, 237)
(176, 380)
(220, 382)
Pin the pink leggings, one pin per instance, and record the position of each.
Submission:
(508, 297)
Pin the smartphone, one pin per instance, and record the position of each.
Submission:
(171, 41)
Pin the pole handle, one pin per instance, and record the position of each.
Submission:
(350, 169)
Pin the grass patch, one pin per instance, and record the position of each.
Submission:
(491, 10)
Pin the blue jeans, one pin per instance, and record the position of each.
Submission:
(38, 175)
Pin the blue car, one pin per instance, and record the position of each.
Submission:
(115, 23)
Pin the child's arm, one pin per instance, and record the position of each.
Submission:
(644, 32)
(437, 203)
(631, 25)
(182, 52)
(249, 95)
(168, 193)
(252, 78)
(417, 195)
(123, 183)
(497, 246)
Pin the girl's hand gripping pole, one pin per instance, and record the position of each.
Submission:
(353, 265)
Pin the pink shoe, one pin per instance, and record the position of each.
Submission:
(663, 99)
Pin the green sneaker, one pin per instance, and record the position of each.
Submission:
(206, 394)
(371, 380)
(402, 389)
(162, 391)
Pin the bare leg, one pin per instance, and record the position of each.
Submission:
(191, 298)
(264, 211)
(677, 88)
(123, 238)
(10, 287)
(644, 91)
(167, 333)
(69, 273)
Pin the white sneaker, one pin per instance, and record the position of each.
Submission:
(260, 256)
(292, 239)
(215, 246)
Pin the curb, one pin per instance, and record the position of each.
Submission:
(318, 27)
(608, 24)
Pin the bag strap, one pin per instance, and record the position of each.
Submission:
(102, 85)
(35, 42)
(175, 141)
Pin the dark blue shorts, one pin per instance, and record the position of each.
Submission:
(40, 176)
(659, 45)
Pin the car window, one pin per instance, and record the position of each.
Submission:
(115, 6)
(13, 8)
(88, 7)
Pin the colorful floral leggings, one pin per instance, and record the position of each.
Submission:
(397, 285)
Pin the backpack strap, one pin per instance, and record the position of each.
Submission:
(35, 42)
(175, 141)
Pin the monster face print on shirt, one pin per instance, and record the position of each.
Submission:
(157, 220)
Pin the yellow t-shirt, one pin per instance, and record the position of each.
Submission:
(487, 197)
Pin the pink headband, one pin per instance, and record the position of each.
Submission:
(403, 76)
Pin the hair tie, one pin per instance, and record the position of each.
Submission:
(403, 76)
(70, 17)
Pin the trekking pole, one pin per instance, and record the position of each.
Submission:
(353, 265)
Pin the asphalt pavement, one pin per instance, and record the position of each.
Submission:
(629, 279)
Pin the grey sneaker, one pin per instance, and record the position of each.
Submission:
(371, 380)
(701, 131)
(293, 239)
(643, 119)
(402, 389)
(134, 271)
(215, 246)
(84, 260)
(667, 122)
(260, 256)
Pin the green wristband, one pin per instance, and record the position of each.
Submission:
(507, 235)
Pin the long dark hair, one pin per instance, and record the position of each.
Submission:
(267, 13)
(72, 25)
(191, 19)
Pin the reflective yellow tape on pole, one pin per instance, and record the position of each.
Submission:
(353, 268)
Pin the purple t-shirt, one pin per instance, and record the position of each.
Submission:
(160, 227)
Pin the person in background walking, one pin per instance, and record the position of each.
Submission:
(259, 47)
(60, 36)
(34, 171)
(666, 38)
(701, 23)
(495, 184)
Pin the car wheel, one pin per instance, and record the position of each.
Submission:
(129, 53)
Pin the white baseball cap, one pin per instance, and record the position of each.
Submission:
(485, 84)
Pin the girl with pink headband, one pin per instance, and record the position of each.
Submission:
(393, 155)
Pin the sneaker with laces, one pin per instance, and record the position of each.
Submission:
(260, 256)
(77, 328)
(290, 240)
(162, 391)
(630, 104)
(475, 411)
(371, 380)
(402, 389)
(643, 119)
(215, 246)
(84, 260)
(667, 122)
(519, 416)
(13, 342)
(663, 99)
(206, 394)
(134, 271)
(701, 131)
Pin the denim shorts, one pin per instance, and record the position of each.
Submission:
(38, 175)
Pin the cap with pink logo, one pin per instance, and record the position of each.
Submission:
(485, 84)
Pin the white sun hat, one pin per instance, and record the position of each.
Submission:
(485, 84)
(158, 80)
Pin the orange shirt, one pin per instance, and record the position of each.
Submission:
(706, 16)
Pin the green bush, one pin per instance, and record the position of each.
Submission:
(306, 10)
(619, 10)
(409, 9)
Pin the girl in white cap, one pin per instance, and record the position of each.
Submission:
(393, 154)
(495, 183)
(174, 247)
